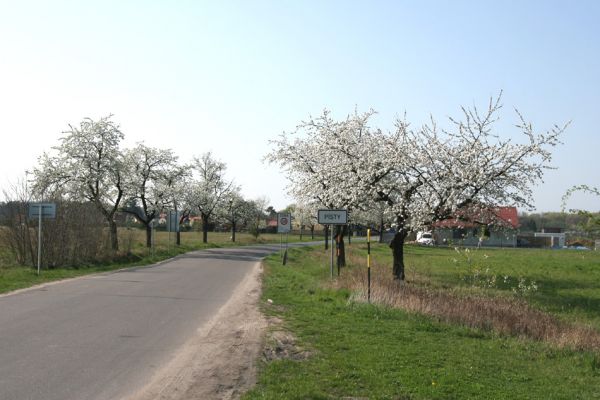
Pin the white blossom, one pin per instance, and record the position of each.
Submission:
(422, 175)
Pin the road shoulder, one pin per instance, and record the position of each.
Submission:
(219, 362)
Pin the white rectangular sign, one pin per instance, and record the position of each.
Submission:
(333, 217)
(48, 210)
(173, 221)
(284, 223)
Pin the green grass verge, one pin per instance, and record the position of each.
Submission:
(361, 350)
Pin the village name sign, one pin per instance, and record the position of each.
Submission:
(333, 217)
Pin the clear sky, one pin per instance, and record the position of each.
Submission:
(227, 76)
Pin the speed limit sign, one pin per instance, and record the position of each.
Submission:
(284, 223)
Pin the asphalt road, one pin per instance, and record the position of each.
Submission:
(103, 336)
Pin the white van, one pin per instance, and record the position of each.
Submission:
(425, 238)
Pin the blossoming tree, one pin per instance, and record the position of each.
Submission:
(208, 189)
(151, 174)
(422, 175)
(87, 165)
(319, 159)
(592, 224)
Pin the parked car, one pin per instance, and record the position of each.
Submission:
(425, 238)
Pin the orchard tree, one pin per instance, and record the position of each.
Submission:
(316, 161)
(86, 166)
(423, 175)
(178, 190)
(375, 214)
(305, 216)
(151, 177)
(209, 189)
(592, 220)
(256, 216)
(234, 209)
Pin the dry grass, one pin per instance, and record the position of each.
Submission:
(505, 315)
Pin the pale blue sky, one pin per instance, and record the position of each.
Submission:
(227, 76)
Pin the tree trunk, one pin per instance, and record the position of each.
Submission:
(114, 239)
(204, 228)
(149, 235)
(301, 226)
(397, 246)
(381, 231)
(312, 232)
(349, 234)
(233, 231)
(112, 225)
(326, 237)
(178, 237)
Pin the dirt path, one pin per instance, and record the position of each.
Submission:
(220, 361)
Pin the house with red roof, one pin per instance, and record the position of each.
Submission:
(497, 226)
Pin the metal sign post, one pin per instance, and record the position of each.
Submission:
(332, 250)
(331, 218)
(281, 246)
(285, 254)
(284, 225)
(39, 211)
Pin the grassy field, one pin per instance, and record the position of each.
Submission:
(360, 350)
(568, 281)
(14, 277)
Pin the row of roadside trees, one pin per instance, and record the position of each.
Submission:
(90, 166)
